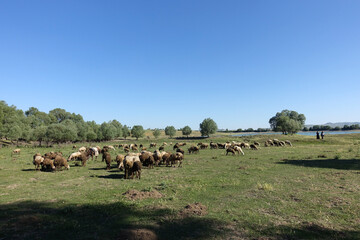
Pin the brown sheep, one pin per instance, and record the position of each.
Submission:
(288, 142)
(221, 146)
(74, 147)
(257, 144)
(204, 146)
(60, 161)
(107, 157)
(175, 157)
(213, 145)
(126, 150)
(119, 158)
(47, 165)
(16, 151)
(161, 148)
(254, 147)
(136, 168)
(152, 145)
(84, 157)
(128, 164)
(165, 157)
(180, 150)
(193, 149)
(37, 160)
(230, 150)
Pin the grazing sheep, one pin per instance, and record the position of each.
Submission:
(239, 150)
(37, 160)
(110, 147)
(230, 150)
(119, 159)
(221, 146)
(269, 142)
(165, 157)
(257, 144)
(152, 145)
(47, 165)
(213, 145)
(204, 146)
(157, 157)
(136, 168)
(84, 157)
(182, 144)
(180, 150)
(74, 147)
(276, 142)
(176, 146)
(128, 164)
(147, 159)
(126, 146)
(175, 157)
(61, 162)
(244, 145)
(161, 148)
(134, 148)
(126, 150)
(282, 143)
(227, 145)
(16, 151)
(94, 152)
(288, 142)
(74, 155)
(82, 149)
(193, 149)
(254, 147)
(107, 158)
(141, 146)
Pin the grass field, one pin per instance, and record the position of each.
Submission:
(308, 191)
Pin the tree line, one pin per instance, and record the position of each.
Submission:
(61, 126)
(328, 128)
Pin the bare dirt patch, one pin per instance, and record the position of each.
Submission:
(193, 209)
(137, 234)
(12, 186)
(139, 195)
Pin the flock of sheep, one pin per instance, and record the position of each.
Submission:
(132, 162)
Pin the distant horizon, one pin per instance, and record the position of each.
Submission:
(176, 63)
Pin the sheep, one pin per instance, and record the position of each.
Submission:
(254, 147)
(181, 144)
(128, 164)
(147, 159)
(220, 145)
(133, 146)
(269, 142)
(176, 146)
(84, 157)
(119, 158)
(276, 142)
(174, 157)
(74, 147)
(60, 161)
(126, 146)
(282, 143)
(37, 160)
(230, 150)
(136, 168)
(244, 145)
(180, 150)
(213, 145)
(82, 149)
(288, 142)
(47, 164)
(193, 149)
(126, 150)
(74, 155)
(157, 157)
(161, 148)
(107, 157)
(257, 144)
(165, 157)
(227, 145)
(94, 152)
(152, 145)
(239, 150)
(204, 146)
(110, 147)
(16, 151)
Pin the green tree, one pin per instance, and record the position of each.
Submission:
(118, 128)
(287, 121)
(170, 131)
(125, 132)
(137, 131)
(39, 134)
(156, 132)
(207, 127)
(186, 131)
(108, 131)
(91, 136)
(60, 114)
(54, 132)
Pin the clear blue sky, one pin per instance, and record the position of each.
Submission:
(160, 63)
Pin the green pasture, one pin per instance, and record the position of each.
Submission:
(308, 191)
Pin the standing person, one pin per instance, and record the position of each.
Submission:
(317, 135)
(322, 135)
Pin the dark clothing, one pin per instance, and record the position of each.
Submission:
(322, 135)
(317, 135)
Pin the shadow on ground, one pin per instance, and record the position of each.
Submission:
(53, 220)
(56, 220)
(346, 164)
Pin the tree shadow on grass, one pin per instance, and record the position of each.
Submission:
(306, 230)
(346, 164)
(53, 220)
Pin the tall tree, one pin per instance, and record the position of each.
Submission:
(137, 131)
(170, 131)
(207, 127)
(156, 132)
(125, 131)
(186, 131)
(287, 121)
